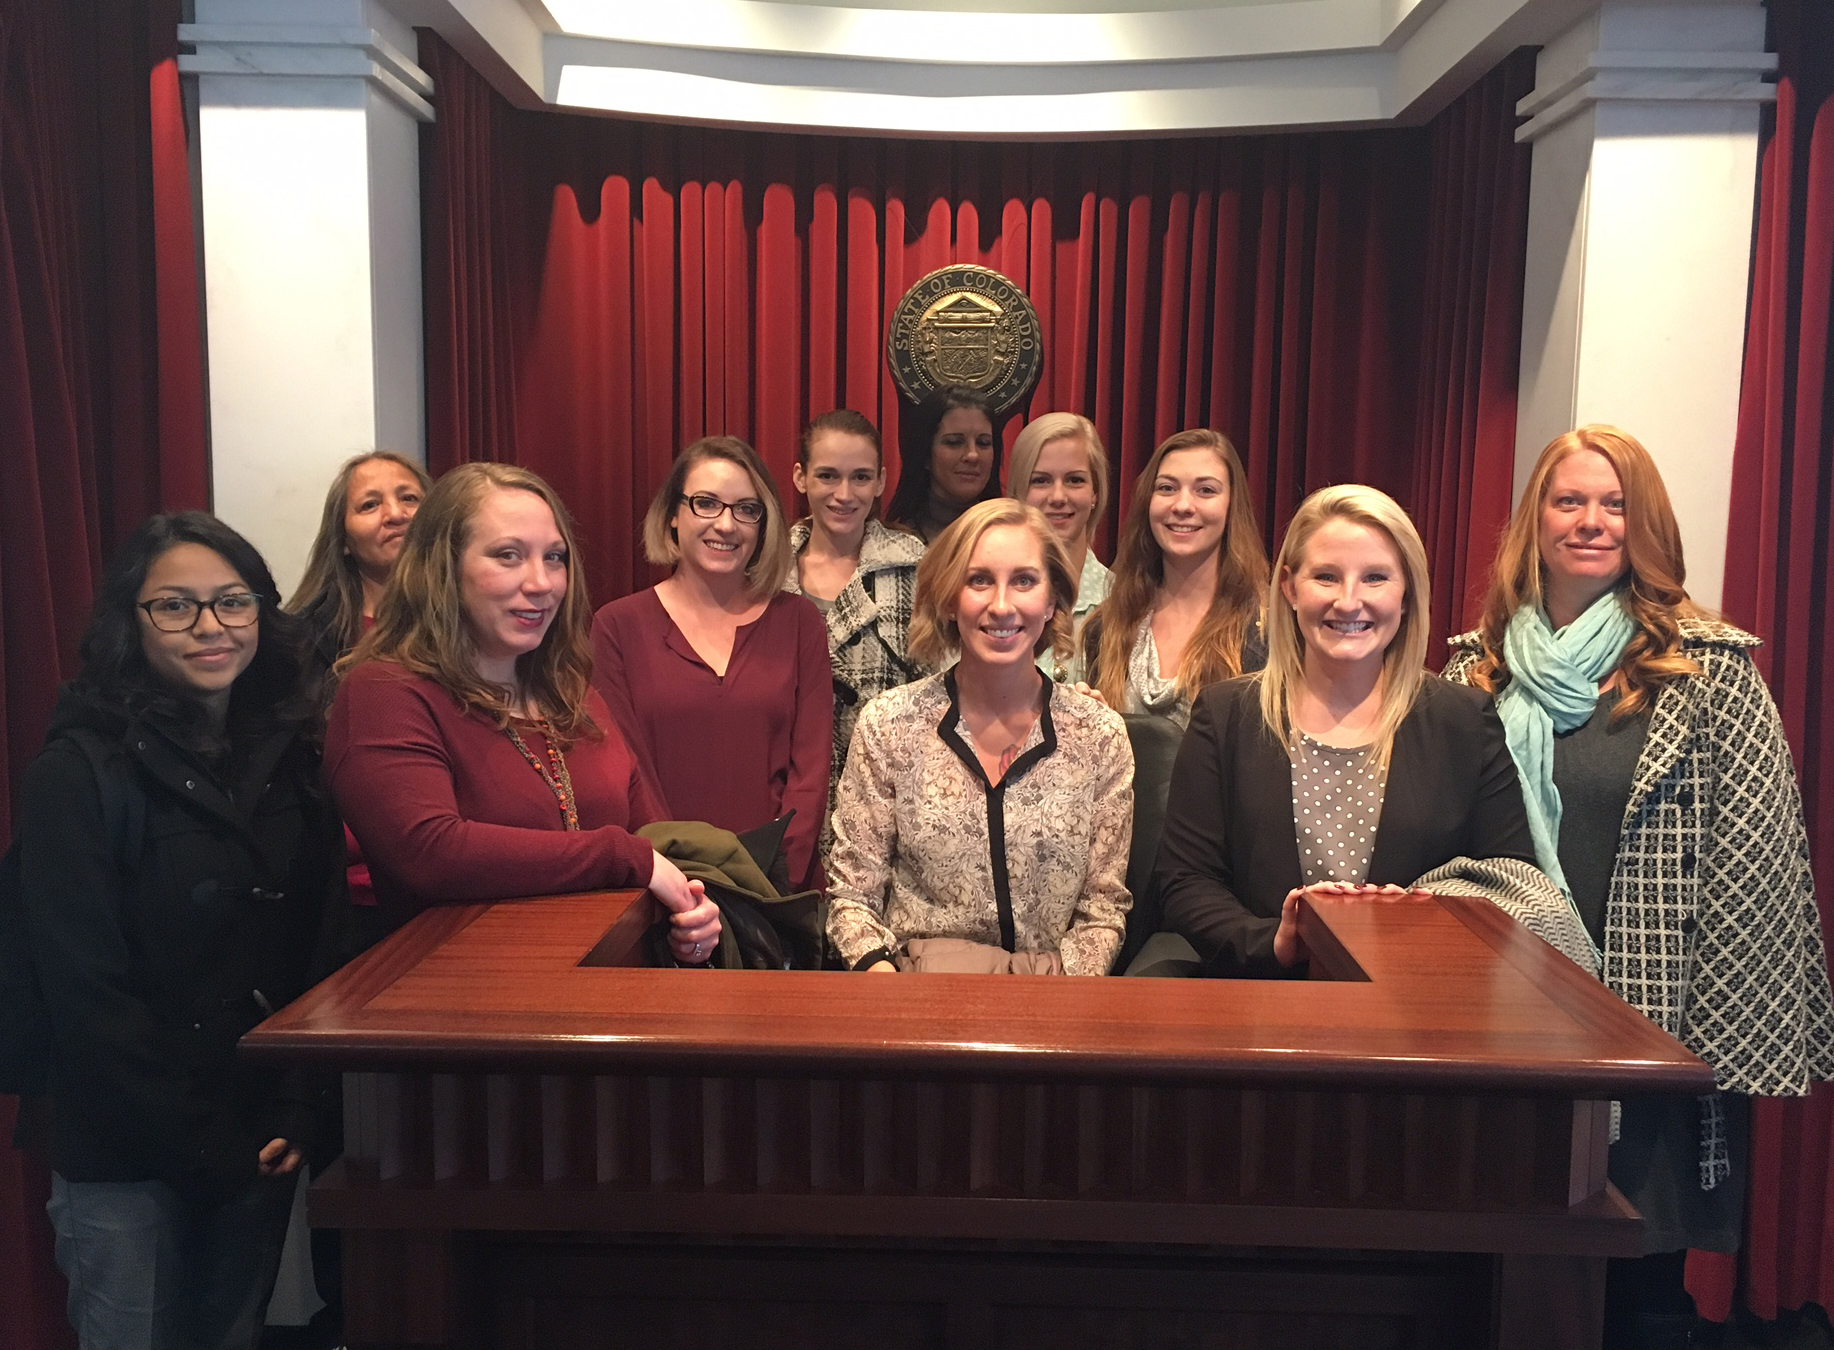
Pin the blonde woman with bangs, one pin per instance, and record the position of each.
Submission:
(983, 820)
(466, 748)
(1059, 466)
(1662, 797)
(1343, 770)
(1189, 576)
(719, 677)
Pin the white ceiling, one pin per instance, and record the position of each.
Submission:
(997, 68)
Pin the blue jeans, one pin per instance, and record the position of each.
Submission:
(149, 1270)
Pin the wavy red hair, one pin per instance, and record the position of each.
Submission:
(1654, 585)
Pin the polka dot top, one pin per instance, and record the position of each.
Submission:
(1337, 802)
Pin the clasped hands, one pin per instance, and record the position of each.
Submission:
(694, 920)
(1290, 948)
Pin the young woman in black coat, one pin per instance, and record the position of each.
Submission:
(177, 858)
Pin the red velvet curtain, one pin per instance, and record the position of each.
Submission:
(1779, 574)
(101, 404)
(1465, 425)
(601, 292)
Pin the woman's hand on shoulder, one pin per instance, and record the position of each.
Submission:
(694, 920)
(278, 1158)
(1090, 691)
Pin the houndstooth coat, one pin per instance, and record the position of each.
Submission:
(866, 627)
(1711, 929)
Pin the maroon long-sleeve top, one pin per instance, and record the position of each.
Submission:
(736, 750)
(446, 807)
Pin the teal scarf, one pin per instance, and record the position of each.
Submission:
(1553, 687)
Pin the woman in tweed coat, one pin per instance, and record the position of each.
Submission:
(861, 575)
(1662, 794)
(984, 816)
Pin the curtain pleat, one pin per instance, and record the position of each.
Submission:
(1779, 574)
(629, 287)
(1471, 335)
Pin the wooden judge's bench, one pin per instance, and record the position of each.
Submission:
(546, 1147)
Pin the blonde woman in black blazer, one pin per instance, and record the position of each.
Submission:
(1347, 629)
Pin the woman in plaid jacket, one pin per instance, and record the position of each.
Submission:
(1662, 797)
(859, 574)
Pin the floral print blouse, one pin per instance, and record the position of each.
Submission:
(925, 846)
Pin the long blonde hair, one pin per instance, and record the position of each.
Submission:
(933, 637)
(1403, 664)
(420, 621)
(1654, 589)
(771, 560)
(330, 595)
(1215, 649)
(1045, 430)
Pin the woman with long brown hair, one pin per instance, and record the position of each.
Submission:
(466, 747)
(368, 508)
(1189, 575)
(1662, 798)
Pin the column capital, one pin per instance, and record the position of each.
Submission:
(293, 51)
(1650, 54)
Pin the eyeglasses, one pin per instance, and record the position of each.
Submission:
(747, 510)
(179, 614)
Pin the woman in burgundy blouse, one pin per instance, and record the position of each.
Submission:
(466, 748)
(718, 677)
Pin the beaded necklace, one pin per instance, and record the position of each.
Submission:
(553, 773)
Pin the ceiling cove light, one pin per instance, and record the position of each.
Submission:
(1038, 38)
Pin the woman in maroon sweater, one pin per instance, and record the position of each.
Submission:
(719, 678)
(466, 748)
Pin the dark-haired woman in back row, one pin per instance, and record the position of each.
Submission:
(949, 460)
(177, 860)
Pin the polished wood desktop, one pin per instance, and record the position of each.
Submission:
(547, 1146)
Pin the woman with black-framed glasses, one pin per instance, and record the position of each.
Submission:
(178, 861)
(720, 679)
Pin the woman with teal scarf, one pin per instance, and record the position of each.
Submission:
(1662, 800)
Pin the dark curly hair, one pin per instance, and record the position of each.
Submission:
(274, 690)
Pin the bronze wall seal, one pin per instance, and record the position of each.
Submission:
(966, 325)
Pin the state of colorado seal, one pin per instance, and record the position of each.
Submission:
(965, 325)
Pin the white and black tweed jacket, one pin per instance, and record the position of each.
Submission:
(866, 627)
(1711, 929)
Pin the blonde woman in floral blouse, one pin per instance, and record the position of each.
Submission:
(984, 815)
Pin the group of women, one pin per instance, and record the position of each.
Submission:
(932, 706)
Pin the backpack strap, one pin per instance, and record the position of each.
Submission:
(123, 804)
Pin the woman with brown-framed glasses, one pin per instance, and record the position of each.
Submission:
(178, 865)
(720, 678)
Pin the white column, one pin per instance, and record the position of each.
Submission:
(1644, 122)
(309, 158)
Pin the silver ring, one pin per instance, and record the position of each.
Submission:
(697, 949)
